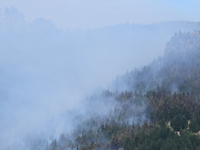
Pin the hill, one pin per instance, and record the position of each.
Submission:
(143, 101)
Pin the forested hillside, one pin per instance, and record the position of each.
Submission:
(152, 108)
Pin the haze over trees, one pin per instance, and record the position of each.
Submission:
(158, 110)
(45, 72)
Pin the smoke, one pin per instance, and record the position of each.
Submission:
(46, 73)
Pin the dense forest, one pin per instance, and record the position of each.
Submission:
(152, 108)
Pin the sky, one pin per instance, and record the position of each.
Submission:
(90, 14)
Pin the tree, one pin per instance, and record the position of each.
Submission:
(179, 122)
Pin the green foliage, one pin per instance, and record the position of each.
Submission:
(136, 140)
(179, 111)
(129, 145)
(179, 122)
(164, 139)
(162, 123)
(195, 123)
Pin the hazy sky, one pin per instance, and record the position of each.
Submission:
(86, 14)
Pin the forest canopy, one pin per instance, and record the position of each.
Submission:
(158, 110)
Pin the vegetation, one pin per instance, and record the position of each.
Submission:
(158, 110)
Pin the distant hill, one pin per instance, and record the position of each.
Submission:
(145, 100)
(180, 59)
(183, 42)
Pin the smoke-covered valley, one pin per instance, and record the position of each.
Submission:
(54, 81)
